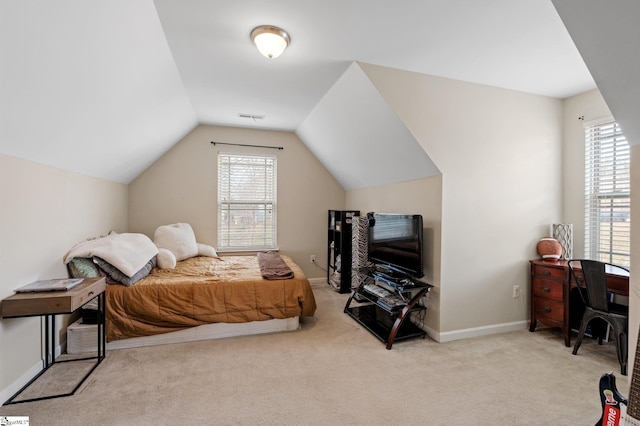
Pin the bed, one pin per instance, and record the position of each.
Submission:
(205, 290)
(174, 289)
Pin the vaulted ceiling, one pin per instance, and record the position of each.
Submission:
(105, 88)
(608, 37)
(518, 45)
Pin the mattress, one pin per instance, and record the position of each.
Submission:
(205, 290)
(83, 338)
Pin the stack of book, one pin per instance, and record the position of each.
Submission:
(391, 302)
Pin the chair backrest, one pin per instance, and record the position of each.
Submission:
(594, 274)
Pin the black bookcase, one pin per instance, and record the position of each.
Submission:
(339, 249)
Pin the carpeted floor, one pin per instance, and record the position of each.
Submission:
(334, 372)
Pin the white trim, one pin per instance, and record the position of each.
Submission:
(59, 347)
(431, 333)
(22, 380)
(599, 121)
(450, 336)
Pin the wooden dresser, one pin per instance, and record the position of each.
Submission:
(550, 296)
(551, 290)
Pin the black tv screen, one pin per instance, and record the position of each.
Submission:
(395, 242)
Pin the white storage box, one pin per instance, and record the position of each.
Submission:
(82, 337)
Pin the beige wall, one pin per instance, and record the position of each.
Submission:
(44, 211)
(182, 187)
(421, 196)
(499, 152)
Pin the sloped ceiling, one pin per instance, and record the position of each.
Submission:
(518, 45)
(89, 87)
(607, 35)
(106, 87)
(354, 133)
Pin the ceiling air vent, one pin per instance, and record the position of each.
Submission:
(254, 117)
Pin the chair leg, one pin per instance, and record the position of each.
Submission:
(583, 328)
(622, 350)
(600, 328)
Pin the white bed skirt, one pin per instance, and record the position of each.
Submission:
(84, 337)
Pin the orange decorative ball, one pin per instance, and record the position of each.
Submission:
(549, 248)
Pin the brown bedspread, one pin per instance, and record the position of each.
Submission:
(204, 290)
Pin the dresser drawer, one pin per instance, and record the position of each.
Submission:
(549, 273)
(85, 294)
(547, 289)
(549, 309)
(52, 302)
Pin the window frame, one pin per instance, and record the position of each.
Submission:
(236, 203)
(607, 193)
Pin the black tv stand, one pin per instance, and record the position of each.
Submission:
(389, 277)
(386, 306)
(388, 271)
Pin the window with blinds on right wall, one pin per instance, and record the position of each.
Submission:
(607, 194)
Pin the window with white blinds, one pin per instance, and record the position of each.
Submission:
(607, 190)
(246, 202)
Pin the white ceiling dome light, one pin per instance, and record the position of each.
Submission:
(270, 41)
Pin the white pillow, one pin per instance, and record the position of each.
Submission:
(206, 250)
(178, 238)
(165, 259)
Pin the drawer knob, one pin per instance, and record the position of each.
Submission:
(545, 289)
(90, 293)
(546, 273)
(546, 309)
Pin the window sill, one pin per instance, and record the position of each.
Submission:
(243, 252)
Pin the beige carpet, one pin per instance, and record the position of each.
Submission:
(334, 372)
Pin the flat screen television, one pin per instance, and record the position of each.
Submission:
(395, 242)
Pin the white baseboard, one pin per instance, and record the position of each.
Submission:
(22, 380)
(449, 336)
(60, 348)
(28, 375)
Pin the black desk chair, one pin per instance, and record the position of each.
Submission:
(597, 305)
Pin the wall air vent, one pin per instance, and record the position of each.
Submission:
(254, 117)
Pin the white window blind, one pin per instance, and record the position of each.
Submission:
(246, 202)
(608, 185)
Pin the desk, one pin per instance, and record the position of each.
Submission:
(550, 291)
(48, 304)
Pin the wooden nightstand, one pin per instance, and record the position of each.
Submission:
(48, 304)
(550, 296)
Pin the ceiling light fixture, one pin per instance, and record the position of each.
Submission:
(270, 41)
